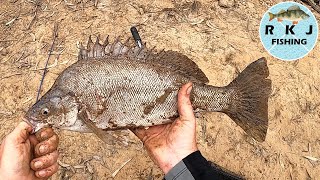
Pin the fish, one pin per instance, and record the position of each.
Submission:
(293, 13)
(117, 85)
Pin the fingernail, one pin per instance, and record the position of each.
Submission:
(189, 90)
(43, 149)
(38, 164)
(42, 173)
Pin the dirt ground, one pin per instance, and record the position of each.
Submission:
(221, 37)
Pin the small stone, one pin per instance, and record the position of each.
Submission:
(226, 3)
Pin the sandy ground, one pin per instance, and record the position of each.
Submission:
(221, 40)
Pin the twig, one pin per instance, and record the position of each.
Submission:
(11, 21)
(21, 56)
(27, 100)
(311, 158)
(15, 74)
(57, 4)
(47, 66)
(7, 40)
(55, 35)
(116, 171)
(37, 3)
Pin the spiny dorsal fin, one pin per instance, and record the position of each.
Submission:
(282, 11)
(294, 7)
(171, 60)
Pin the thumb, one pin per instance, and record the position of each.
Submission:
(184, 105)
(21, 133)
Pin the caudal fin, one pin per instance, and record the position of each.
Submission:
(249, 107)
(271, 16)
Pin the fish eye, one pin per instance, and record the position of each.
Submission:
(45, 111)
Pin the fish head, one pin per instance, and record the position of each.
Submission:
(305, 16)
(54, 109)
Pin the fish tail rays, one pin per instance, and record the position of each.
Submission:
(249, 107)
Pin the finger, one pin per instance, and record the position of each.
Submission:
(184, 105)
(45, 173)
(44, 134)
(33, 140)
(44, 162)
(21, 133)
(139, 132)
(142, 133)
(47, 146)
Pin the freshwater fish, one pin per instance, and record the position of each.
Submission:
(293, 13)
(116, 86)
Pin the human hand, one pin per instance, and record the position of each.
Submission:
(25, 156)
(168, 144)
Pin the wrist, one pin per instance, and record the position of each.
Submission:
(172, 158)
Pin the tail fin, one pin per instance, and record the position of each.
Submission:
(271, 16)
(249, 107)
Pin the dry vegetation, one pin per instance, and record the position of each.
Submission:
(220, 36)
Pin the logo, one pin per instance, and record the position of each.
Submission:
(288, 31)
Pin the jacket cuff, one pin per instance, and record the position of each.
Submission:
(179, 172)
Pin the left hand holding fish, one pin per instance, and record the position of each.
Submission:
(27, 156)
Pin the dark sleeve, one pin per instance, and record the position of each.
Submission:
(196, 167)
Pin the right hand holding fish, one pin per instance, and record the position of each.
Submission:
(168, 144)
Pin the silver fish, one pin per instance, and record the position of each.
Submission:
(115, 86)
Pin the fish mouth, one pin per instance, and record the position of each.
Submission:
(36, 125)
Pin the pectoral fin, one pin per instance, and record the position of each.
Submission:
(109, 137)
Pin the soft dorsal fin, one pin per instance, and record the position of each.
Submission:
(282, 11)
(180, 63)
(171, 60)
(294, 7)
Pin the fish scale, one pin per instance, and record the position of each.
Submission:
(113, 86)
(123, 102)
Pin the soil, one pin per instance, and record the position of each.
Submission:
(220, 36)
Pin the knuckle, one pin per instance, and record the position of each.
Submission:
(54, 138)
(51, 158)
(54, 156)
(55, 167)
(52, 169)
(50, 145)
(46, 133)
(46, 161)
